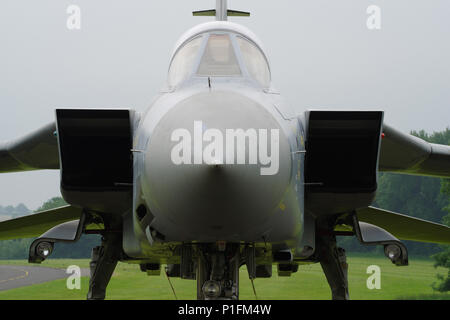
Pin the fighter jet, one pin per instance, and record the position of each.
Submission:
(219, 173)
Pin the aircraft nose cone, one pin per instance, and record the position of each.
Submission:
(217, 163)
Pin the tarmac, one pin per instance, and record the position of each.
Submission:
(12, 276)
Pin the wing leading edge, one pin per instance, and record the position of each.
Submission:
(37, 150)
(36, 224)
(404, 153)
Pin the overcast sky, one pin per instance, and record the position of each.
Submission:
(322, 55)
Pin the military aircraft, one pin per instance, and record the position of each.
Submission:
(219, 173)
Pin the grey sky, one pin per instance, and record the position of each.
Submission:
(321, 53)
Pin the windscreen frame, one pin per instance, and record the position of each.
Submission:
(245, 75)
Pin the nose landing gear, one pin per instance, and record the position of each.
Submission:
(218, 272)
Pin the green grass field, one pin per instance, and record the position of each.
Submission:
(309, 283)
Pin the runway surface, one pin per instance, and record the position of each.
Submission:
(12, 276)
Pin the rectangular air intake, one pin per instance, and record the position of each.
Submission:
(95, 149)
(342, 151)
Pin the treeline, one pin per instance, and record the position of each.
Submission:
(11, 212)
(442, 259)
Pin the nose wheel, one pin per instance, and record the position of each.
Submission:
(218, 273)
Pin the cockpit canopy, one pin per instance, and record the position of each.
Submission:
(219, 54)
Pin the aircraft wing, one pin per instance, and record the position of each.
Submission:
(404, 227)
(36, 224)
(405, 153)
(38, 150)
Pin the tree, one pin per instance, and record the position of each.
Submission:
(53, 203)
(15, 249)
(443, 258)
(14, 212)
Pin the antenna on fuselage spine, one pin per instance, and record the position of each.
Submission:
(221, 12)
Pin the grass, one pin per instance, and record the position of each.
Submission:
(309, 283)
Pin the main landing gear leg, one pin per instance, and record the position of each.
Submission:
(103, 262)
(334, 265)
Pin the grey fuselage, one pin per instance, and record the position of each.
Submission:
(227, 198)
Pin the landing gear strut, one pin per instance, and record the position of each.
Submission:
(218, 273)
(103, 262)
(334, 265)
